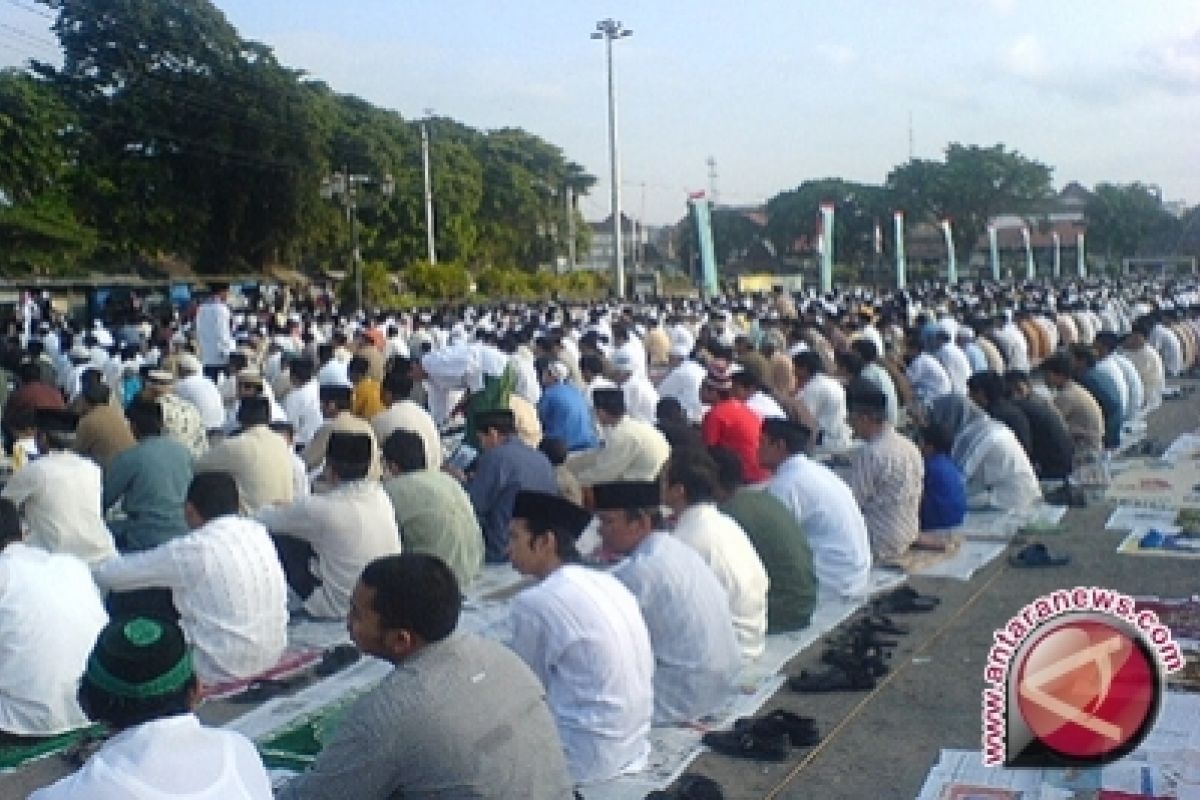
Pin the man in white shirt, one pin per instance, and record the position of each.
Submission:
(689, 491)
(258, 458)
(140, 684)
(582, 633)
(59, 494)
(640, 396)
(748, 388)
(325, 540)
(630, 450)
(1113, 362)
(198, 390)
(683, 381)
(402, 413)
(951, 357)
(825, 398)
(696, 655)
(303, 403)
(825, 507)
(1147, 362)
(225, 581)
(50, 613)
(214, 331)
(928, 377)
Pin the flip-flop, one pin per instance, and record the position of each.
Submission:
(880, 623)
(755, 745)
(905, 600)
(801, 731)
(831, 680)
(1037, 555)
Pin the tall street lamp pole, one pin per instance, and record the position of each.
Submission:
(343, 186)
(610, 30)
(430, 244)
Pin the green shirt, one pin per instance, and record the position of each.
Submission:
(151, 480)
(435, 516)
(781, 544)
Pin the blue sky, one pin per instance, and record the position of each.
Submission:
(776, 91)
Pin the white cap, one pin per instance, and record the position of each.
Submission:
(623, 362)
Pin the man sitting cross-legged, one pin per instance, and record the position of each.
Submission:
(459, 717)
(582, 634)
(225, 581)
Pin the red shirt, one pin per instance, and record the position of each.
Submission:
(731, 424)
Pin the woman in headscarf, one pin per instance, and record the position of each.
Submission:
(997, 470)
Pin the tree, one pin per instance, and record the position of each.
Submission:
(37, 224)
(972, 185)
(792, 217)
(1128, 220)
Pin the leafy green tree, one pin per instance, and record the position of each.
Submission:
(1129, 220)
(792, 217)
(970, 186)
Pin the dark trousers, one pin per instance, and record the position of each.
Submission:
(156, 603)
(295, 555)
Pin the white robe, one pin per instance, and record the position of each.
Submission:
(582, 634)
(168, 757)
(832, 521)
(727, 550)
(641, 400)
(696, 655)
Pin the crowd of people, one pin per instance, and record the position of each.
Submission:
(680, 478)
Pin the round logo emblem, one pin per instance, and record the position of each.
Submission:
(1087, 687)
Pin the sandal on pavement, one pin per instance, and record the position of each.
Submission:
(801, 731)
(905, 600)
(755, 745)
(878, 623)
(336, 659)
(690, 787)
(1037, 555)
(834, 679)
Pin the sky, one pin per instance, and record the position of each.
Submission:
(776, 92)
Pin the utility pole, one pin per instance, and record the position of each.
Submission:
(608, 30)
(430, 242)
(343, 186)
(570, 195)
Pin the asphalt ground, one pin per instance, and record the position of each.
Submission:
(881, 744)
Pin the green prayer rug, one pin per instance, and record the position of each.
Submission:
(13, 756)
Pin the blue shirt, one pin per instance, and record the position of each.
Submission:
(1105, 390)
(499, 474)
(944, 499)
(564, 413)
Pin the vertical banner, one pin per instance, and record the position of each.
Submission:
(994, 252)
(1030, 269)
(951, 261)
(708, 256)
(1080, 256)
(901, 266)
(826, 247)
(1057, 254)
(878, 239)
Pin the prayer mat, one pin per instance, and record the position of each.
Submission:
(14, 756)
(917, 559)
(291, 664)
(1166, 542)
(296, 746)
(1180, 614)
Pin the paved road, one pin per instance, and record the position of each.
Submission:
(880, 745)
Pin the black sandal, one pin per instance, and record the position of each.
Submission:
(755, 745)
(801, 731)
(690, 787)
(905, 600)
(880, 623)
(833, 679)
